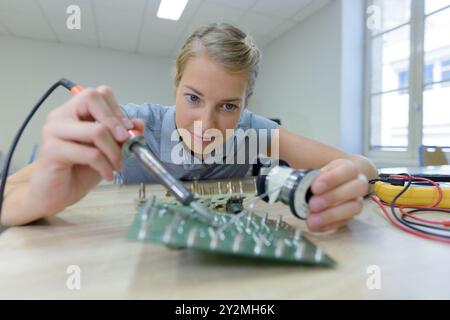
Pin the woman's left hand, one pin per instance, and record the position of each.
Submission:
(337, 195)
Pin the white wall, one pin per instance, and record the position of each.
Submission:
(311, 77)
(28, 68)
(352, 75)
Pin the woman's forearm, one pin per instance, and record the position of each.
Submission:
(14, 208)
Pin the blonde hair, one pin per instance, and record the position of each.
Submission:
(226, 45)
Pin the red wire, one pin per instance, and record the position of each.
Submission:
(400, 226)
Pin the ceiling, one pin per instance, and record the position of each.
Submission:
(132, 25)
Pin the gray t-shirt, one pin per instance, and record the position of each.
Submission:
(162, 138)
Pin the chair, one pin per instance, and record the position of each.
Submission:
(432, 156)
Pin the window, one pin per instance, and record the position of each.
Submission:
(403, 79)
(389, 83)
(428, 74)
(445, 70)
(408, 78)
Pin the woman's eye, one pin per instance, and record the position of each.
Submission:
(229, 107)
(192, 98)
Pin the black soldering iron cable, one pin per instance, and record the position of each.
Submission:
(4, 173)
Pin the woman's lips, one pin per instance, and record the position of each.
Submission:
(201, 139)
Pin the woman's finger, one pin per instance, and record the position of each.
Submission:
(343, 193)
(71, 153)
(138, 124)
(342, 212)
(92, 133)
(334, 177)
(91, 104)
(107, 94)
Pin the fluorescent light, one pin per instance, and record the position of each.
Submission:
(171, 9)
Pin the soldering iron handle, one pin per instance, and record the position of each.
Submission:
(152, 165)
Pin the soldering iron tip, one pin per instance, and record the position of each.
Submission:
(203, 213)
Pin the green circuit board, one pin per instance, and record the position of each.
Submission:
(246, 233)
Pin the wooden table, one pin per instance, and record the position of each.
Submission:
(90, 234)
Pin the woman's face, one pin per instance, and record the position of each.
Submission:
(213, 99)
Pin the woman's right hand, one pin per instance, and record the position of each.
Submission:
(81, 144)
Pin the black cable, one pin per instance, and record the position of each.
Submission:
(393, 181)
(4, 174)
(406, 224)
(430, 209)
(424, 224)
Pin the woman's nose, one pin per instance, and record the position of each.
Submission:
(208, 118)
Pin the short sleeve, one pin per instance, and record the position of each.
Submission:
(148, 113)
(260, 122)
(251, 120)
(263, 127)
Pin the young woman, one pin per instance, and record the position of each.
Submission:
(215, 77)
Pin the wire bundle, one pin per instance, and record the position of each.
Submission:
(408, 220)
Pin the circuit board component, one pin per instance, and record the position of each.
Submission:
(234, 204)
(244, 234)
